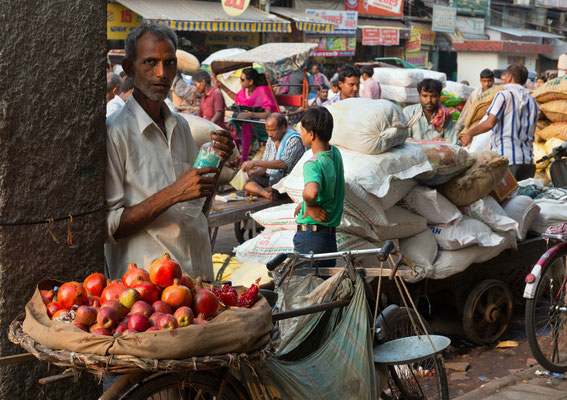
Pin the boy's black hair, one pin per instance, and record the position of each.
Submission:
(335, 83)
(487, 74)
(368, 70)
(324, 86)
(202, 76)
(348, 71)
(430, 85)
(319, 121)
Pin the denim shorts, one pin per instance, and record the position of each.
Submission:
(316, 242)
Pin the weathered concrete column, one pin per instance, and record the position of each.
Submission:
(52, 154)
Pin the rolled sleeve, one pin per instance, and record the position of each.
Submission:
(114, 188)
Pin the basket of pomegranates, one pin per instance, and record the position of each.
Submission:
(160, 319)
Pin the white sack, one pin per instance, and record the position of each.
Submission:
(399, 93)
(398, 190)
(277, 218)
(430, 204)
(451, 262)
(368, 126)
(523, 210)
(464, 233)
(375, 173)
(551, 212)
(458, 89)
(400, 224)
(489, 211)
(398, 76)
(440, 76)
(480, 143)
(421, 250)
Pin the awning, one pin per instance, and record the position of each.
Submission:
(303, 21)
(184, 15)
(525, 32)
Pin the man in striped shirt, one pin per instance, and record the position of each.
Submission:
(512, 117)
(349, 83)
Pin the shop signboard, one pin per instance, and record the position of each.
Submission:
(120, 21)
(414, 42)
(351, 5)
(552, 3)
(389, 8)
(345, 22)
(237, 39)
(418, 58)
(380, 37)
(473, 7)
(444, 19)
(471, 25)
(426, 35)
(234, 8)
(396, 52)
(333, 46)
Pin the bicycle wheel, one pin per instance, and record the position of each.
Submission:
(546, 316)
(425, 379)
(196, 385)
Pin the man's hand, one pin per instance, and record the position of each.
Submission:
(244, 115)
(316, 212)
(222, 142)
(297, 210)
(248, 165)
(192, 184)
(466, 139)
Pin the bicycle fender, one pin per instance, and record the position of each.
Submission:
(542, 263)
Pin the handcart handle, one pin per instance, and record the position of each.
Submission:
(276, 261)
(385, 251)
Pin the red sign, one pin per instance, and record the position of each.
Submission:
(391, 8)
(351, 5)
(380, 37)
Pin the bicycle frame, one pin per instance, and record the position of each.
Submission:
(541, 265)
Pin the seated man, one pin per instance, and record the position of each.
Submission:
(322, 96)
(430, 119)
(283, 150)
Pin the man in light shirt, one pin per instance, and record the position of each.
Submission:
(349, 83)
(113, 83)
(512, 119)
(486, 82)
(371, 88)
(120, 99)
(154, 196)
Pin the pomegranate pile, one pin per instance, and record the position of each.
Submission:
(163, 298)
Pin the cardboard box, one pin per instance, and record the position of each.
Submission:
(505, 187)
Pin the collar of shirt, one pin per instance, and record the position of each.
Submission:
(209, 92)
(144, 120)
(119, 100)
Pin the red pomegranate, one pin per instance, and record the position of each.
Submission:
(112, 292)
(70, 294)
(164, 270)
(47, 296)
(205, 302)
(148, 292)
(200, 320)
(52, 308)
(134, 276)
(186, 280)
(93, 301)
(95, 283)
(177, 295)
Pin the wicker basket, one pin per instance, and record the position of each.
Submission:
(116, 365)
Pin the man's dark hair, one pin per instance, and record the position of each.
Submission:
(430, 85)
(335, 83)
(368, 70)
(324, 86)
(122, 74)
(280, 119)
(113, 81)
(319, 121)
(158, 30)
(519, 73)
(127, 85)
(543, 78)
(202, 76)
(487, 74)
(348, 71)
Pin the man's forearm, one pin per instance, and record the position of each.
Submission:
(483, 127)
(217, 118)
(276, 164)
(137, 217)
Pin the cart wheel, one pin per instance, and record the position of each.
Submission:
(487, 311)
(242, 234)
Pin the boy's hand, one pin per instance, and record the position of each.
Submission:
(297, 210)
(316, 212)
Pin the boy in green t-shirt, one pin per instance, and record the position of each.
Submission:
(322, 208)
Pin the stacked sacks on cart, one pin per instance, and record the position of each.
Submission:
(551, 129)
(400, 85)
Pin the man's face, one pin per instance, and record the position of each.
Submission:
(314, 69)
(274, 132)
(429, 100)
(350, 86)
(323, 94)
(335, 89)
(155, 66)
(539, 83)
(200, 86)
(486, 83)
(506, 78)
(306, 137)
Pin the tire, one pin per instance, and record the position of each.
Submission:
(407, 381)
(487, 312)
(546, 326)
(186, 386)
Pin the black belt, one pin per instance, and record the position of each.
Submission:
(315, 228)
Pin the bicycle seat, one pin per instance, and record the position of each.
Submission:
(557, 232)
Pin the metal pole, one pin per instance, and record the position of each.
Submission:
(268, 6)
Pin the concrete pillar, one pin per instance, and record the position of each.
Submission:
(52, 155)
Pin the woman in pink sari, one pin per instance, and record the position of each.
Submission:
(254, 93)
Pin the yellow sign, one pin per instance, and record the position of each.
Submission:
(426, 35)
(234, 8)
(120, 21)
(235, 39)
